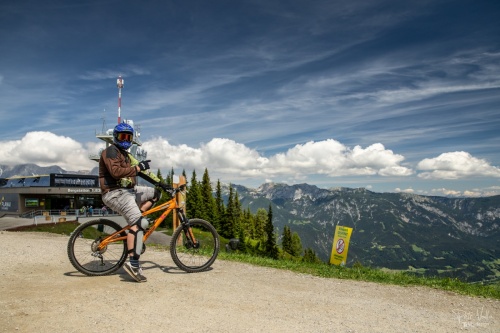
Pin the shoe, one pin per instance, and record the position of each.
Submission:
(134, 272)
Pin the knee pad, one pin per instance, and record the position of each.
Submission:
(142, 223)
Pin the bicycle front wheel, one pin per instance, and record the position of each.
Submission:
(196, 255)
(83, 252)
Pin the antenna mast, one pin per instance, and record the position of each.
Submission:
(119, 84)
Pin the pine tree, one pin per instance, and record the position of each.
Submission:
(164, 198)
(271, 248)
(207, 198)
(219, 207)
(193, 200)
(242, 246)
(159, 175)
(296, 245)
(237, 214)
(227, 226)
(286, 243)
(260, 224)
(310, 256)
(247, 224)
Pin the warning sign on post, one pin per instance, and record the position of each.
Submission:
(340, 245)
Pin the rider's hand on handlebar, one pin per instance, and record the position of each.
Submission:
(143, 165)
(165, 187)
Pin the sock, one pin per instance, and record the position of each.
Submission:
(134, 262)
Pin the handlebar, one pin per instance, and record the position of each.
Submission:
(171, 190)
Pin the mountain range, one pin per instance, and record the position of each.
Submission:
(426, 235)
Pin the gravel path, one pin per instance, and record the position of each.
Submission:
(41, 292)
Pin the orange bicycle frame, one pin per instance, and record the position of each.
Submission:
(167, 207)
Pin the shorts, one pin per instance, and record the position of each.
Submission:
(126, 201)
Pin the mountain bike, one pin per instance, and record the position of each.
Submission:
(99, 247)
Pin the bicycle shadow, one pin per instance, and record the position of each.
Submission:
(167, 269)
(146, 266)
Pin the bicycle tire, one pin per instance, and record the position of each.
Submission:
(82, 251)
(194, 259)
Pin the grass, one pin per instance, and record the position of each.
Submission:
(357, 272)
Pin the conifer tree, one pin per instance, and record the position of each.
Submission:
(227, 225)
(247, 223)
(242, 246)
(295, 245)
(207, 198)
(237, 214)
(219, 207)
(193, 200)
(159, 175)
(271, 248)
(286, 243)
(310, 256)
(260, 223)
(164, 198)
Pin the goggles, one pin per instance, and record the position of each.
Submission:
(124, 136)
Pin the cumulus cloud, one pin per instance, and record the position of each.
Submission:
(328, 157)
(446, 192)
(220, 156)
(406, 190)
(331, 158)
(46, 149)
(476, 192)
(456, 165)
(232, 161)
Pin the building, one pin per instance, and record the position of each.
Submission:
(21, 195)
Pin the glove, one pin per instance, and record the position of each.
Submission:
(144, 165)
(165, 187)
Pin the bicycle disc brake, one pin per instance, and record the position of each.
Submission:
(95, 247)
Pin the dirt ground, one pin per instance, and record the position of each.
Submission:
(41, 292)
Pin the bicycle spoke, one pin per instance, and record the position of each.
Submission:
(195, 257)
(84, 253)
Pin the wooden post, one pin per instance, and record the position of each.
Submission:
(180, 198)
(181, 201)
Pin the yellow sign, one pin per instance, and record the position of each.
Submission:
(340, 245)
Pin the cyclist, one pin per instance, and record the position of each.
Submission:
(120, 192)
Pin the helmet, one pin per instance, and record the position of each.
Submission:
(123, 135)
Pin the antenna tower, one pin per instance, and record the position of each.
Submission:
(119, 84)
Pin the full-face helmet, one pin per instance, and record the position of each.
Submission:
(123, 135)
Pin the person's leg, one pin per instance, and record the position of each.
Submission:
(123, 202)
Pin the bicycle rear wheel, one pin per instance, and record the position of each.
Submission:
(199, 256)
(84, 255)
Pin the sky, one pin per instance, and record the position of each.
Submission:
(391, 96)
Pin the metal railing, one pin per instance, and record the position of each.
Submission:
(67, 212)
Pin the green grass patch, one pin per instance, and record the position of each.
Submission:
(62, 228)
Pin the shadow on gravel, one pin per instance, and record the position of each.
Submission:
(146, 266)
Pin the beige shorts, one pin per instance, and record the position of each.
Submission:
(126, 202)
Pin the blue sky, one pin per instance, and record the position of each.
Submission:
(388, 95)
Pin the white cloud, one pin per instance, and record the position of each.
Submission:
(446, 192)
(456, 165)
(407, 190)
(231, 161)
(330, 157)
(476, 192)
(46, 149)
(227, 157)
(222, 157)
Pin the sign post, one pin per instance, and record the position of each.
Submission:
(181, 200)
(340, 245)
